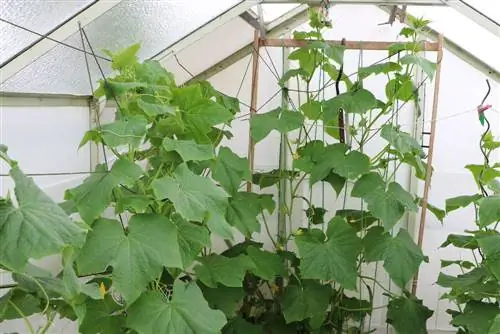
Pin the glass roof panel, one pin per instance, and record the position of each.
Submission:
(154, 24)
(273, 11)
(463, 31)
(489, 8)
(38, 15)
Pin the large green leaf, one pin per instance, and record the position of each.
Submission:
(381, 68)
(460, 241)
(293, 73)
(224, 298)
(401, 88)
(358, 219)
(401, 256)
(124, 58)
(266, 265)
(186, 312)
(333, 258)
(16, 300)
(489, 211)
(477, 284)
(125, 131)
(152, 108)
(375, 244)
(200, 112)
(408, 315)
(38, 227)
(268, 179)
(229, 170)
(196, 198)
(357, 102)
(94, 195)
(101, 316)
(458, 202)
(312, 109)
(334, 158)
(389, 205)
(427, 66)
(227, 271)
(311, 299)
(283, 121)
(403, 142)
(482, 174)
(478, 317)
(152, 242)
(490, 245)
(152, 72)
(189, 150)
(244, 209)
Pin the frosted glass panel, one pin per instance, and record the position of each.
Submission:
(153, 24)
(273, 11)
(490, 8)
(463, 31)
(38, 15)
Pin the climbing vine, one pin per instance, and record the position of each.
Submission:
(475, 291)
(136, 236)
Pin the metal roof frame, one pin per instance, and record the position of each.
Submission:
(286, 22)
(47, 42)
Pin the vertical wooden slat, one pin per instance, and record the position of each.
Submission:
(430, 155)
(253, 102)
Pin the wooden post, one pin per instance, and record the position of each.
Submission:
(430, 155)
(253, 102)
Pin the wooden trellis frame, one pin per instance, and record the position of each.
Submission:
(357, 45)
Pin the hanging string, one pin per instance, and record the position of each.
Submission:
(48, 38)
(83, 35)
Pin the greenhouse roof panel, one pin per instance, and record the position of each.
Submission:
(463, 31)
(490, 8)
(153, 24)
(40, 16)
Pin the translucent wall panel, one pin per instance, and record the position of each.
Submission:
(38, 15)
(463, 31)
(153, 24)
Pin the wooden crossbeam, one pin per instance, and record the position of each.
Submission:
(349, 45)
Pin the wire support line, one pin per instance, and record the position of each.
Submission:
(50, 39)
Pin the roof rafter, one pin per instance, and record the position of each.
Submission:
(207, 28)
(60, 34)
(286, 22)
(475, 15)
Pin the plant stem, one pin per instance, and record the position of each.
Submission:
(376, 282)
(25, 319)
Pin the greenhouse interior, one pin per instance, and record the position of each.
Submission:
(249, 166)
